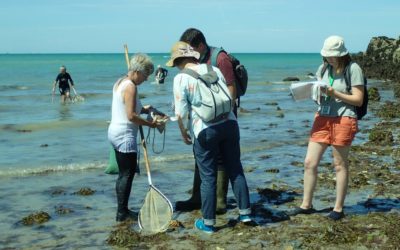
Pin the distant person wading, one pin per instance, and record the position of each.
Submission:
(65, 83)
(160, 74)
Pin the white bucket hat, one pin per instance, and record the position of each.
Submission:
(334, 47)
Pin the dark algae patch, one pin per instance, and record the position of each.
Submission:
(36, 218)
(124, 236)
(85, 191)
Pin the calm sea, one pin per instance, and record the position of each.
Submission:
(39, 134)
(47, 146)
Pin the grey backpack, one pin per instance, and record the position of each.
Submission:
(216, 102)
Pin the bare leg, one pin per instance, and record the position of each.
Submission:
(62, 98)
(314, 153)
(341, 164)
(68, 96)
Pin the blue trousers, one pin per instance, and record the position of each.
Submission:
(221, 139)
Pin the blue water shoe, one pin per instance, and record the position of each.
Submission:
(244, 218)
(199, 224)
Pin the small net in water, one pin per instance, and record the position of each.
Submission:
(156, 212)
(78, 98)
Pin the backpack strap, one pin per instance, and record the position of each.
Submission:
(208, 78)
(214, 55)
(193, 73)
(324, 68)
(346, 73)
(190, 72)
(347, 76)
(209, 68)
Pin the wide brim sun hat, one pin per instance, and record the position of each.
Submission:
(179, 50)
(334, 47)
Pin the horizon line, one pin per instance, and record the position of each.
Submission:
(77, 53)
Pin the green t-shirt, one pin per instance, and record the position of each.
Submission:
(338, 107)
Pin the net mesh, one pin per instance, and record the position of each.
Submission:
(78, 98)
(156, 212)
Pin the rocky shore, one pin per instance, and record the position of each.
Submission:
(374, 226)
(381, 60)
(372, 207)
(374, 166)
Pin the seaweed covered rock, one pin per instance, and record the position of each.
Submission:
(63, 210)
(396, 91)
(276, 195)
(85, 191)
(373, 94)
(396, 153)
(374, 230)
(359, 180)
(389, 110)
(382, 48)
(36, 218)
(381, 59)
(381, 137)
(124, 236)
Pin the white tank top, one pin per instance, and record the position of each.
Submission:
(122, 133)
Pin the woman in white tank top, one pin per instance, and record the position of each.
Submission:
(125, 121)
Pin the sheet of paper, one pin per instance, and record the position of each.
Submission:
(303, 90)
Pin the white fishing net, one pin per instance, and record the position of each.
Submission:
(78, 98)
(156, 212)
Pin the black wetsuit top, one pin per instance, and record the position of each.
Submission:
(62, 80)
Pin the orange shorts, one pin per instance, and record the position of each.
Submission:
(338, 131)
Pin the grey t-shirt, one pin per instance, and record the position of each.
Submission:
(338, 107)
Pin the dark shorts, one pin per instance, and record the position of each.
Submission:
(63, 91)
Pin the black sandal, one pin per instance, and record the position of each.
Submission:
(336, 215)
(299, 210)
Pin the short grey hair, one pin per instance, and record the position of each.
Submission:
(141, 62)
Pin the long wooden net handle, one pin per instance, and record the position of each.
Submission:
(126, 55)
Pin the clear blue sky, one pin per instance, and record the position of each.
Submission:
(68, 26)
